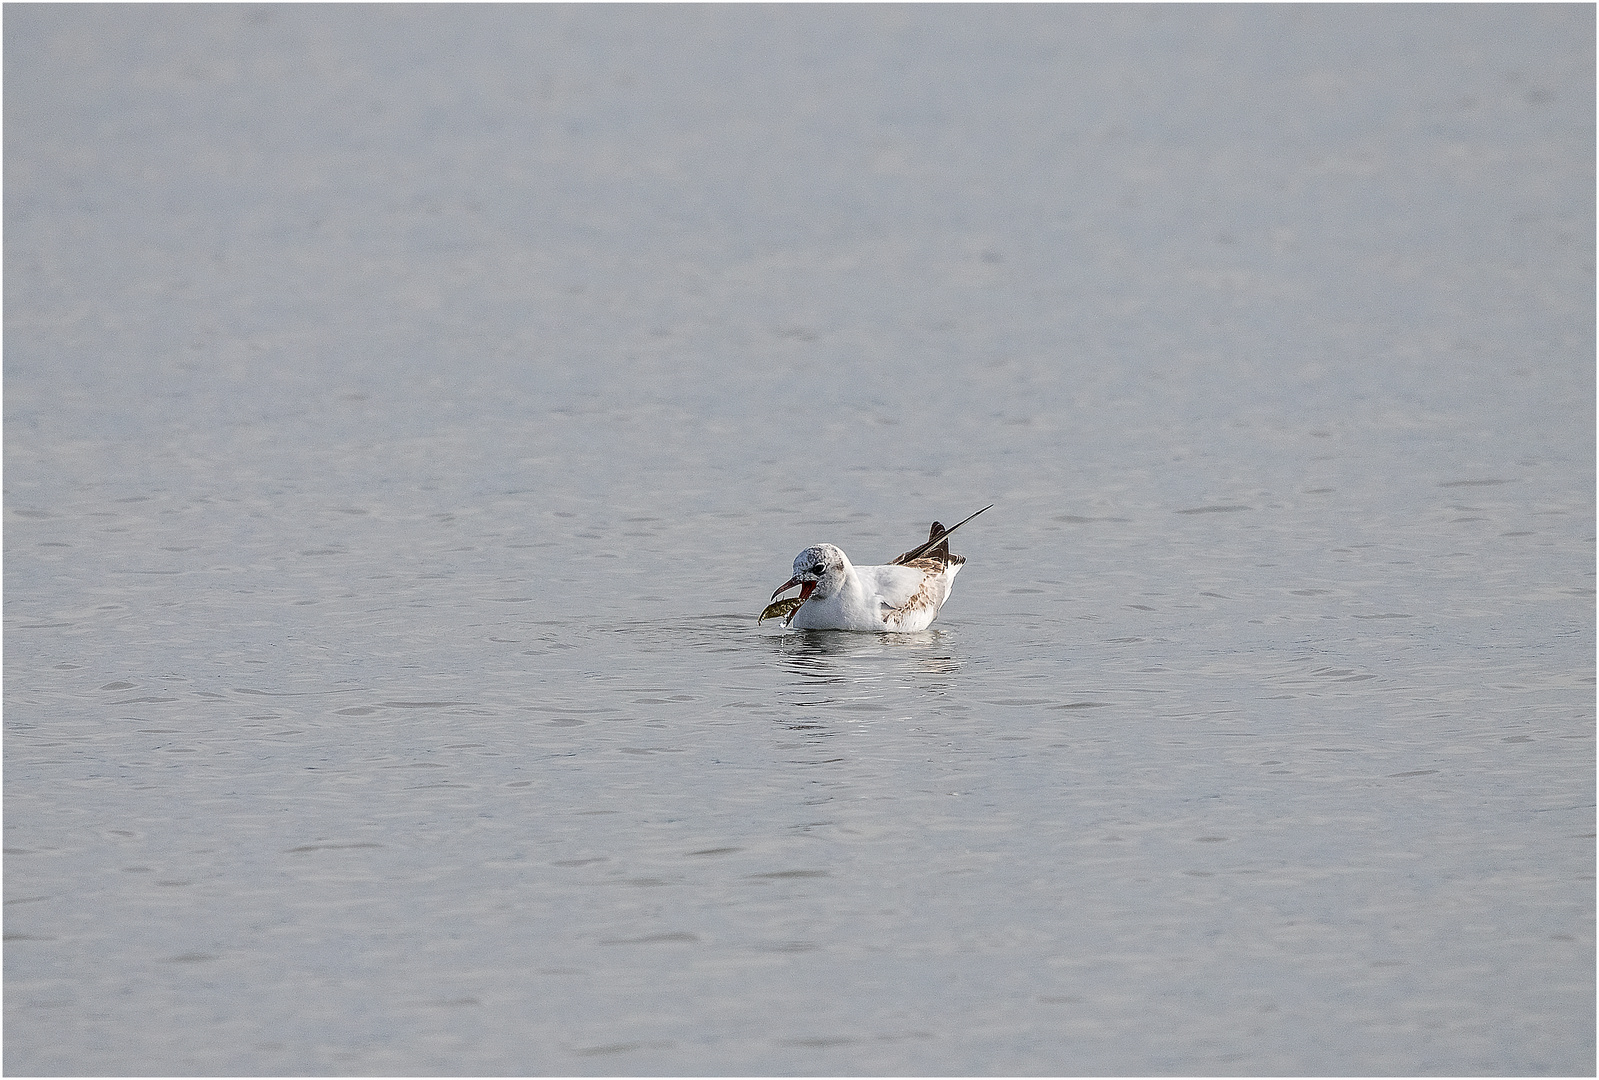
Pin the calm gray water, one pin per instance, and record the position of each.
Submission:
(408, 410)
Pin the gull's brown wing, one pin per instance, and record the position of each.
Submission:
(937, 546)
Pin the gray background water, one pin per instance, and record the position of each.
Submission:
(407, 410)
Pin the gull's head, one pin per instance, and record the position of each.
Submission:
(818, 570)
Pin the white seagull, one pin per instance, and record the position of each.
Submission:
(900, 598)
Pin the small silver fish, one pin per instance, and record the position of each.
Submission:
(784, 608)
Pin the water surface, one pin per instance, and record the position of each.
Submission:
(408, 410)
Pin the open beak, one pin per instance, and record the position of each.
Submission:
(806, 588)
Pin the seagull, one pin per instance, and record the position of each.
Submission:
(900, 598)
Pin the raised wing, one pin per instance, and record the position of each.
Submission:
(936, 546)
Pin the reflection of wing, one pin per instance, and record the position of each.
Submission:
(935, 542)
(894, 585)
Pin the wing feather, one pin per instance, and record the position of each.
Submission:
(936, 541)
(894, 584)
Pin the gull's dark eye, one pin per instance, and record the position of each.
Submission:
(819, 570)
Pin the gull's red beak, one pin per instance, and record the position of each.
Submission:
(806, 587)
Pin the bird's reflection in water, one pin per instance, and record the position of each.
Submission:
(835, 670)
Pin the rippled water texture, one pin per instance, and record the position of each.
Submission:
(408, 411)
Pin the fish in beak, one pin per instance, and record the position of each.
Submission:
(785, 609)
